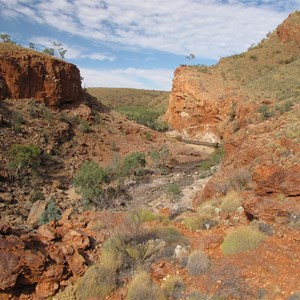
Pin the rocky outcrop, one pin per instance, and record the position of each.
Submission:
(26, 73)
(275, 180)
(43, 261)
(200, 103)
(272, 210)
(289, 30)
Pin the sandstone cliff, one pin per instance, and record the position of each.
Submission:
(26, 73)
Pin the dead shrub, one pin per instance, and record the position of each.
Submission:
(174, 287)
(98, 281)
(231, 202)
(142, 288)
(225, 281)
(198, 263)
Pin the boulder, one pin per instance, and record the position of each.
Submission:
(36, 211)
(273, 179)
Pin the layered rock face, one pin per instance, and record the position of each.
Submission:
(29, 74)
(199, 103)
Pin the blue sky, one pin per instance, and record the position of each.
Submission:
(135, 43)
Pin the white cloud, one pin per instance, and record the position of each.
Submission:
(159, 79)
(99, 56)
(208, 28)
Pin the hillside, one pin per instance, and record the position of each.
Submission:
(122, 97)
(95, 206)
(146, 107)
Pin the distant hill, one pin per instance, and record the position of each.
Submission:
(146, 107)
(124, 97)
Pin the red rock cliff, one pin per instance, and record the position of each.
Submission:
(26, 73)
(199, 103)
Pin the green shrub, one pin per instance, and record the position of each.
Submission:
(142, 288)
(88, 181)
(155, 157)
(207, 208)
(25, 158)
(52, 212)
(139, 215)
(192, 222)
(98, 282)
(145, 116)
(241, 239)
(265, 112)
(114, 170)
(133, 163)
(198, 263)
(174, 287)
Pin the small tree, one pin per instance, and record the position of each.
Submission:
(133, 163)
(61, 51)
(31, 45)
(24, 157)
(49, 51)
(6, 38)
(190, 56)
(88, 181)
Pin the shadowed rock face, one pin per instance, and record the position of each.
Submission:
(30, 74)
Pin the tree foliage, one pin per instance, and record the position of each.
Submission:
(133, 163)
(88, 181)
(49, 51)
(25, 157)
(6, 38)
(60, 49)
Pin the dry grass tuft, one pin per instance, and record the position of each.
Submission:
(242, 239)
